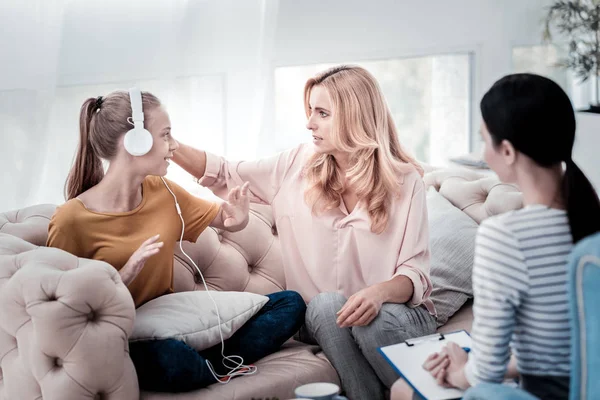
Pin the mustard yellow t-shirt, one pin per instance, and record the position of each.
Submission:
(114, 237)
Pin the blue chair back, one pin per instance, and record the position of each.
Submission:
(584, 292)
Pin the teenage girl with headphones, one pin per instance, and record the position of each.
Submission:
(128, 218)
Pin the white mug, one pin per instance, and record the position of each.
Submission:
(319, 391)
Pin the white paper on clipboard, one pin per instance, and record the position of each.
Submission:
(408, 358)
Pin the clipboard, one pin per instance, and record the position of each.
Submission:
(408, 357)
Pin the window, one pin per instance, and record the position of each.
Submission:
(429, 98)
(195, 106)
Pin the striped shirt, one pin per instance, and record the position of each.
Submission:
(520, 291)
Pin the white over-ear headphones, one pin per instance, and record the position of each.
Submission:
(138, 141)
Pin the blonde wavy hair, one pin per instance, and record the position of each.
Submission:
(363, 128)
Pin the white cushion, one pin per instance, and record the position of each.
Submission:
(452, 245)
(191, 317)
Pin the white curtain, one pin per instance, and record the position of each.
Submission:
(29, 46)
(210, 62)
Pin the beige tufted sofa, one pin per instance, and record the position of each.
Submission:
(64, 321)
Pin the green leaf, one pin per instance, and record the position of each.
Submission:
(579, 22)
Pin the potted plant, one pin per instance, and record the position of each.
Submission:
(578, 21)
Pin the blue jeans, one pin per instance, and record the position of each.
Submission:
(496, 391)
(172, 366)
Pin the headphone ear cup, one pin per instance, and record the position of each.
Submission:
(138, 142)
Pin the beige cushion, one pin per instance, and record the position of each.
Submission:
(30, 223)
(452, 244)
(191, 317)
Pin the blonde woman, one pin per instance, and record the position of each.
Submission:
(351, 215)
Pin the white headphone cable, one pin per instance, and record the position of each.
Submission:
(238, 367)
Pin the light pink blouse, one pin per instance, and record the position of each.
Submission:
(336, 251)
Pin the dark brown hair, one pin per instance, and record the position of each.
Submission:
(536, 116)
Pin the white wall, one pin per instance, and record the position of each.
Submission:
(69, 43)
(587, 147)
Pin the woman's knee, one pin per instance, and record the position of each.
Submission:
(328, 303)
(322, 309)
(385, 320)
(288, 299)
(394, 323)
(290, 306)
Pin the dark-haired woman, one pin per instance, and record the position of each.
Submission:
(521, 308)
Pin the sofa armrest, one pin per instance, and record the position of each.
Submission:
(64, 324)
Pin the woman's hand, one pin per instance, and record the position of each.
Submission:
(455, 375)
(361, 308)
(447, 366)
(436, 364)
(235, 210)
(136, 262)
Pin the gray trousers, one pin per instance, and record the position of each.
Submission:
(364, 373)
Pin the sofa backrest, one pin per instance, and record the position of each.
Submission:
(38, 298)
(250, 260)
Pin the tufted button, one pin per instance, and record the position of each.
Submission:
(58, 362)
(51, 297)
(91, 316)
(99, 396)
(220, 237)
(197, 278)
(250, 268)
(274, 230)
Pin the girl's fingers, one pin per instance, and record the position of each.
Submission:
(245, 189)
(231, 196)
(150, 240)
(150, 253)
(155, 246)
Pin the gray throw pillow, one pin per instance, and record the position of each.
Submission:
(452, 244)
